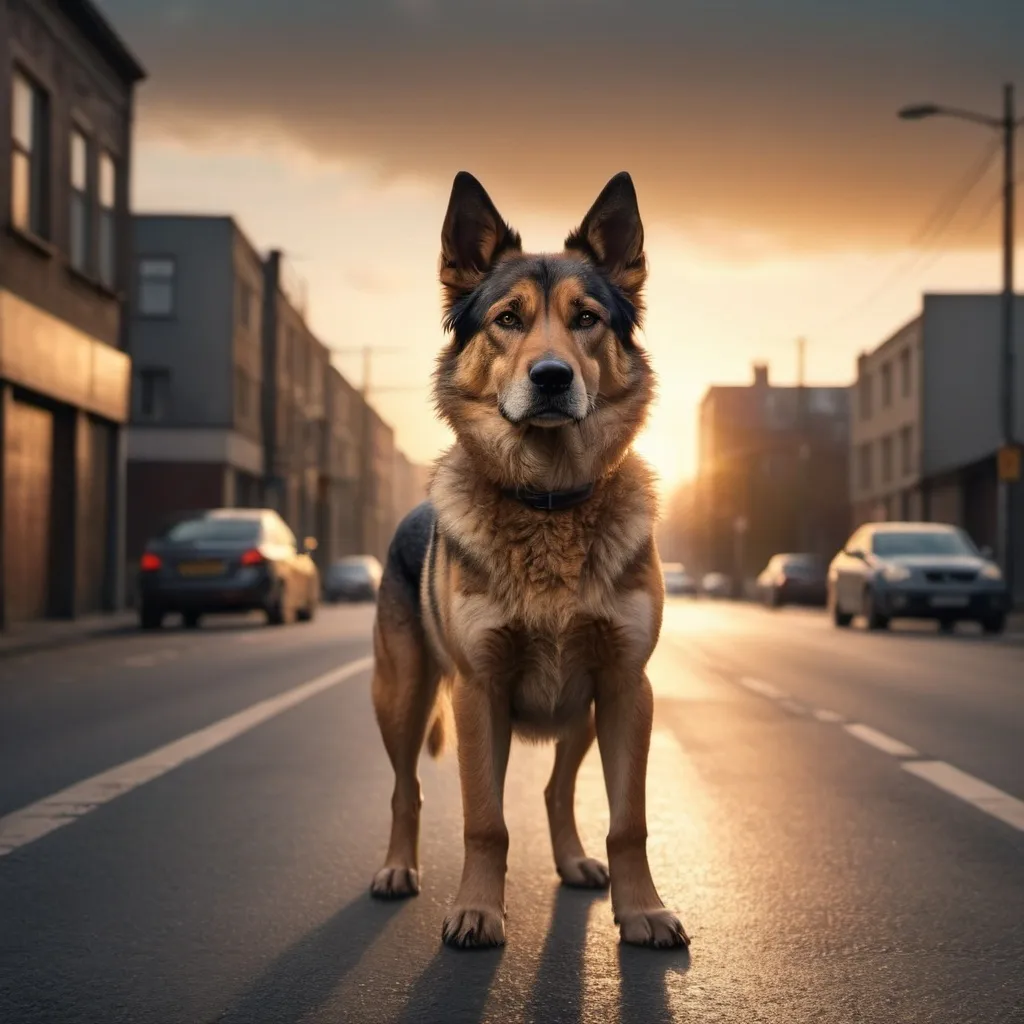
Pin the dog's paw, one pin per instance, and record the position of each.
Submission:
(583, 873)
(474, 928)
(659, 928)
(393, 883)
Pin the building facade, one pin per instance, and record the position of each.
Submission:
(67, 91)
(948, 421)
(773, 474)
(196, 438)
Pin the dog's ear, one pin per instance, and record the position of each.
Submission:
(473, 237)
(611, 236)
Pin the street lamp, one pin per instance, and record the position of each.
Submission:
(1006, 124)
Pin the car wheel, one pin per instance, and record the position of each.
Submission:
(839, 618)
(994, 624)
(280, 613)
(150, 618)
(190, 620)
(947, 625)
(874, 618)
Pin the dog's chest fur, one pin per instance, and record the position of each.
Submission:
(541, 603)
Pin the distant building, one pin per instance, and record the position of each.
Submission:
(340, 532)
(927, 423)
(67, 91)
(773, 473)
(197, 437)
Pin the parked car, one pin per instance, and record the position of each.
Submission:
(227, 560)
(716, 584)
(793, 579)
(355, 578)
(677, 579)
(916, 570)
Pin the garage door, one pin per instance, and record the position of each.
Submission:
(94, 475)
(28, 482)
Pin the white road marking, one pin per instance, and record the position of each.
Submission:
(971, 790)
(764, 689)
(880, 740)
(46, 815)
(824, 715)
(793, 707)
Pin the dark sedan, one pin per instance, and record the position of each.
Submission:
(793, 579)
(355, 578)
(227, 560)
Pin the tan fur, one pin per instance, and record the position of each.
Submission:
(539, 623)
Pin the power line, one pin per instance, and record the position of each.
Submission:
(934, 228)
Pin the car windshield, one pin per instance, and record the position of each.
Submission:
(895, 543)
(229, 531)
(801, 565)
(350, 570)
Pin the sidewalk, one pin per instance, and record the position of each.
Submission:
(50, 633)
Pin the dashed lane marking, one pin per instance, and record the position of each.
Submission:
(46, 815)
(880, 740)
(946, 777)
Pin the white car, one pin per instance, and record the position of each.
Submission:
(916, 571)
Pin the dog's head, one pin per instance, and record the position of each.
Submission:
(543, 381)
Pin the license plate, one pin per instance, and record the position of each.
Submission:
(207, 568)
(949, 601)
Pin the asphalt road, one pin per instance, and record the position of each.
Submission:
(809, 815)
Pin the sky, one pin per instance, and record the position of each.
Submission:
(781, 195)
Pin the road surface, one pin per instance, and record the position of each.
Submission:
(189, 823)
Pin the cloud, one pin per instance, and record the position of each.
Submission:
(772, 121)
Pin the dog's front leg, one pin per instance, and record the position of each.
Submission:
(483, 727)
(625, 712)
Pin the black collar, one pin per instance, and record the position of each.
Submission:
(550, 501)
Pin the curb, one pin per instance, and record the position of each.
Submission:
(12, 648)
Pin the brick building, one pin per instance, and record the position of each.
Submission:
(67, 93)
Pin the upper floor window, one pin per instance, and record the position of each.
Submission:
(79, 207)
(156, 286)
(29, 156)
(886, 385)
(865, 467)
(886, 460)
(864, 390)
(907, 450)
(108, 220)
(905, 385)
(246, 306)
(154, 394)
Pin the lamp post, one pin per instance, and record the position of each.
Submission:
(1007, 126)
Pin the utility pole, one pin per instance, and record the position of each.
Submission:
(1008, 460)
(803, 446)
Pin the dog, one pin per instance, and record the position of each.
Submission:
(525, 595)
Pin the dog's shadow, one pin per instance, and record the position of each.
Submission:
(644, 977)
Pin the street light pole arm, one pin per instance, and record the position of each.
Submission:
(970, 115)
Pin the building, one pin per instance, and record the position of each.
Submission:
(773, 474)
(295, 365)
(340, 532)
(928, 422)
(67, 92)
(196, 436)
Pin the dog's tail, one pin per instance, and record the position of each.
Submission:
(441, 725)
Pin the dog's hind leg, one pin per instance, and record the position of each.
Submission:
(405, 687)
(574, 867)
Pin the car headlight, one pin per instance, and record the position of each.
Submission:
(895, 573)
(991, 572)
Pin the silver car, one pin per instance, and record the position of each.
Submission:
(916, 571)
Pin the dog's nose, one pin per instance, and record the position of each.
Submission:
(551, 376)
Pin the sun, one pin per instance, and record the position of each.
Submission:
(663, 451)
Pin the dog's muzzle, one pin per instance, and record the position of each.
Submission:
(551, 393)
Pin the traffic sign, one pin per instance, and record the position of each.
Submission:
(1009, 463)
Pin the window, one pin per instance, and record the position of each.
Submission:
(29, 156)
(865, 466)
(906, 450)
(905, 373)
(886, 460)
(154, 394)
(108, 221)
(865, 397)
(886, 385)
(156, 286)
(246, 306)
(79, 208)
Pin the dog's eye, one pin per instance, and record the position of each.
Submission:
(586, 319)
(507, 319)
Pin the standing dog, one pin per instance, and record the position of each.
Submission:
(528, 590)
